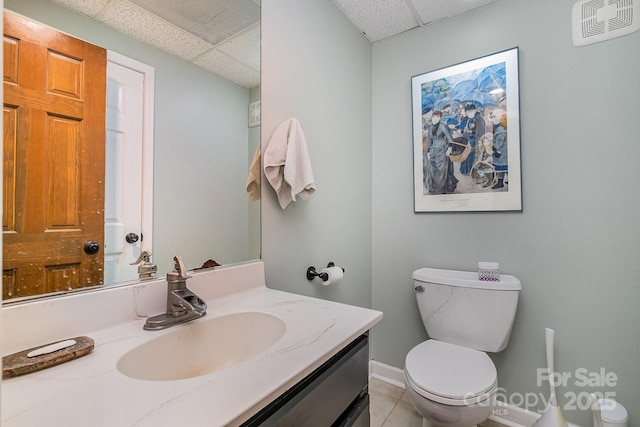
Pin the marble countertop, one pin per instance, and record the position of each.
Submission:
(90, 391)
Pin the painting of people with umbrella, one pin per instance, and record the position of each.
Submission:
(466, 132)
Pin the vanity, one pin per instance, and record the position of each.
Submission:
(270, 358)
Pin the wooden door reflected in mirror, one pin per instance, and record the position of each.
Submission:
(54, 156)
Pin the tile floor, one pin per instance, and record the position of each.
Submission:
(390, 407)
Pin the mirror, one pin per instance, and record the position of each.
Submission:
(202, 148)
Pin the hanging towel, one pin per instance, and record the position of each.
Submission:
(253, 181)
(286, 163)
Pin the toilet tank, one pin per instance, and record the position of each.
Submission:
(458, 308)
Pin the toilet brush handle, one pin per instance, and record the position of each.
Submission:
(549, 338)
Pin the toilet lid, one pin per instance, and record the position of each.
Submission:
(450, 371)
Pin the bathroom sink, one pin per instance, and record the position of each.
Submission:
(203, 347)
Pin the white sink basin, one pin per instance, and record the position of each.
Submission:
(202, 347)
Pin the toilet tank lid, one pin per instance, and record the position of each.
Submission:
(466, 279)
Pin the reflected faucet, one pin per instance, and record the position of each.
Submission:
(146, 270)
(182, 304)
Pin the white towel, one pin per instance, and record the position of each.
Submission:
(286, 163)
(253, 181)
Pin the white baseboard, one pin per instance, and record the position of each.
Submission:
(503, 413)
(386, 373)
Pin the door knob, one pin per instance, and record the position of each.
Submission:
(91, 247)
(132, 238)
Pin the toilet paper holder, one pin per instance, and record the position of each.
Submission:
(312, 273)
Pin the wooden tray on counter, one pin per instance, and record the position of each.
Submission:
(19, 363)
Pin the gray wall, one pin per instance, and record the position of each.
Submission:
(574, 246)
(200, 146)
(254, 205)
(317, 67)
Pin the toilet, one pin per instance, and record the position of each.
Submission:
(449, 378)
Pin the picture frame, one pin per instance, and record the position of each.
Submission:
(466, 136)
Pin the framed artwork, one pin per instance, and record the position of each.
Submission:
(466, 136)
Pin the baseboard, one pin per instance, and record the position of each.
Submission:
(503, 413)
(513, 416)
(386, 373)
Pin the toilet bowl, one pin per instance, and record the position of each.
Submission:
(450, 385)
(450, 379)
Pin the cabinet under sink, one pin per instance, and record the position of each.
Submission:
(335, 394)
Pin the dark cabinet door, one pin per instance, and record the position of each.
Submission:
(328, 396)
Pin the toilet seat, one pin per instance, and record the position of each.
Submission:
(450, 374)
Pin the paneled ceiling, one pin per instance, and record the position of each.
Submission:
(223, 36)
(381, 19)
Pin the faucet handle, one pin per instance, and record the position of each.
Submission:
(179, 267)
(144, 256)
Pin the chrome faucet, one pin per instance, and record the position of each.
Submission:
(182, 304)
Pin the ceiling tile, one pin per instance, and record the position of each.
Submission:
(434, 10)
(379, 19)
(212, 20)
(135, 22)
(223, 65)
(244, 48)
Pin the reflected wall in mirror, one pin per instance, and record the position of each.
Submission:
(202, 148)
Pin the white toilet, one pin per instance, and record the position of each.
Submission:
(449, 378)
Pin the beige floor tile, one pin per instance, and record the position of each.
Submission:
(405, 397)
(390, 407)
(490, 423)
(403, 415)
(377, 386)
(380, 407)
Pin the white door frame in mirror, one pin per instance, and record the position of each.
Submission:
(131, 183)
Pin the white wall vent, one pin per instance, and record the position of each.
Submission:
(254, 114)
(594, 21)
